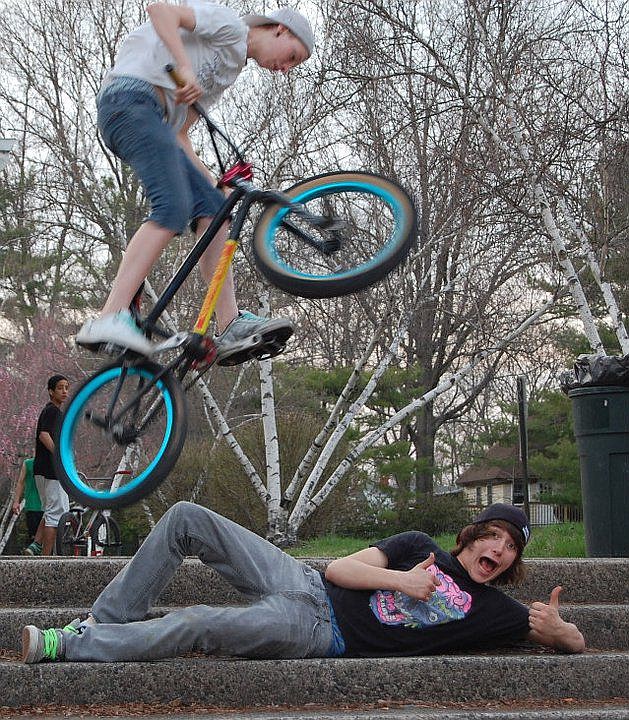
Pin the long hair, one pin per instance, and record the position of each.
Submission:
(470, 533)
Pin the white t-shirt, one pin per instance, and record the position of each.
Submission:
(217, 48)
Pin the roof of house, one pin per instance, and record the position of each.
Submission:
(499, 465)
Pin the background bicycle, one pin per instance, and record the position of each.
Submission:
(87, 531)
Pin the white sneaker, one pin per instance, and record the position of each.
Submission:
(118, 329)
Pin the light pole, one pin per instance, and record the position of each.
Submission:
(524, 439)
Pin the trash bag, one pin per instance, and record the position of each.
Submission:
(593, 370)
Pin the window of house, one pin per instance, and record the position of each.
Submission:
(518, 491)
(479, 496)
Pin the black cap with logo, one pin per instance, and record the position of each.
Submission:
(513, 515)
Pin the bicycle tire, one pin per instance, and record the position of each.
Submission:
(139, 447)
(65, 541)
(105, 533)
(380, 230)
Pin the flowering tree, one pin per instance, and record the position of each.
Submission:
(23, 391)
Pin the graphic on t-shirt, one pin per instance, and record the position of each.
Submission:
(447, 603)
(209, 75)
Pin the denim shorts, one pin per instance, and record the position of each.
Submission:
(131, 123)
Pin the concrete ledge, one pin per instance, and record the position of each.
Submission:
(52, 582)
(249, 683)
(586, 712)
(605, 627)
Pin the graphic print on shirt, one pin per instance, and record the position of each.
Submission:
(446, 604)
(209, 76)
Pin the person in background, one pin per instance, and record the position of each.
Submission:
(27, 489)
(54, 498)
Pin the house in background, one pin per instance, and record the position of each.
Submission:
(5, 149)
(498, 477)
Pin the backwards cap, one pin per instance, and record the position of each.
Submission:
(293, 20)
(513, 515)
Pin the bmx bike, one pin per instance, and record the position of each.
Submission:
(325, 236)
(88, 531)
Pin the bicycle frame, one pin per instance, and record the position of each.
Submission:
(238, 178)
(246, 194)
(83, 535)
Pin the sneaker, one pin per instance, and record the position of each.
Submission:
(45, 645)
(33, 549)
(118, 330)
(248, 336)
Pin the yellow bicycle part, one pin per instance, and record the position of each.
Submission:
(215, 287)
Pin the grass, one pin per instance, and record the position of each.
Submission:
(565, 540)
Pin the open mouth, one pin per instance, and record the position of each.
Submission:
(487, 565)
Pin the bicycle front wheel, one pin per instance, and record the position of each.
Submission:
(105, 536)
(66, 539)
(373, 229)
(120, 435)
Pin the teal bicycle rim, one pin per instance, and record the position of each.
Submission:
(73, 416)
(353, 186)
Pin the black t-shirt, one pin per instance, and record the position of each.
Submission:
(47, 422)
(460, 615)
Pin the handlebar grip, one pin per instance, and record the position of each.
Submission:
(180, 82)
(172, 71)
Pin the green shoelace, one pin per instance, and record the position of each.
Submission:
(51, 644)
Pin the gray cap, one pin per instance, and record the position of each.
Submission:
(293, 20)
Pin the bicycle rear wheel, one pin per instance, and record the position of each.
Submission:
(65, 542)
(120, 434)
(378, 228)
(105, 535)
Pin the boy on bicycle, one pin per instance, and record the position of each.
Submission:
(144, 119)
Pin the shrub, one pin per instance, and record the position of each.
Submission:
(432, 514)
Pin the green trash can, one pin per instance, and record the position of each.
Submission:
(601, 427)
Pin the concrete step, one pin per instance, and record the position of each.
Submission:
(544, 711)
(605, 627)
(331, 682)
(589, 712)
(56, 582)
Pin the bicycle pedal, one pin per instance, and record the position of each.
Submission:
(110, 349)
(262, 351)
(280, 335)
(175, 341)
(269, 350)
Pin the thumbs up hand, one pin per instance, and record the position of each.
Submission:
(545, 618)
(547, 627)
(418, 582)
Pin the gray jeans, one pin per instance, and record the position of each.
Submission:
(288, 616)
